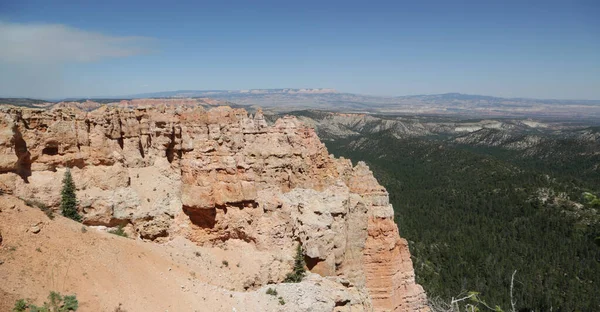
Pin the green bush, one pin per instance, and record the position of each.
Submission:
(119, 231)
(20, 306)
(591, 200)
(57, 303)
(272, 292)
(70, 303)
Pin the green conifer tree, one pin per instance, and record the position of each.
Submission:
(68, 203)
(298, 273)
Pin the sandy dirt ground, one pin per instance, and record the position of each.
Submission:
(105, 270)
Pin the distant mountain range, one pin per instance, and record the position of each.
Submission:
(454, 104)
(219, 93)
(435, 104)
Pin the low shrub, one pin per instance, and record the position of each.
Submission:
(118, 231)
(57, 303)
(20, 306)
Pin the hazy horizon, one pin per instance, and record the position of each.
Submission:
(308, 88)
(151, 94)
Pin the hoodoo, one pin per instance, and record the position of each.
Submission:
(219, 178)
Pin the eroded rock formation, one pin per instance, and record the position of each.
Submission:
(213, 176)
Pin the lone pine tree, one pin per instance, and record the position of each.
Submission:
(298, 273)
(68, 203)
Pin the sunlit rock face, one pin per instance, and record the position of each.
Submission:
(213, 176)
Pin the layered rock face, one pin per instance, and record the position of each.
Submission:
(217, 176)
(183, 102)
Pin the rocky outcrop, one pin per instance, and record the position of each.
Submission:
(90, 105)
(215, 176)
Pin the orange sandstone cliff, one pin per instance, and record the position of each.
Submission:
(219, 178)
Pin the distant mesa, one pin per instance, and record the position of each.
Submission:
(288, 91)
(225, 93)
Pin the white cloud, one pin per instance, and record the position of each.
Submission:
(56, 43)
(33, 57)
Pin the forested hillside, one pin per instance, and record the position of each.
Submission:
(475, 213)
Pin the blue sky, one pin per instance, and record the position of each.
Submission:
(543, 49)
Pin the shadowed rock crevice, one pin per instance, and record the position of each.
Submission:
(50, 150)
(141, 149)
(311, 262)
(120, 139)
(204, 218)
(110, 223)
(342, 303)
(170, 151)
(23, 165)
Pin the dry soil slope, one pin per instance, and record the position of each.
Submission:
(104, 270)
